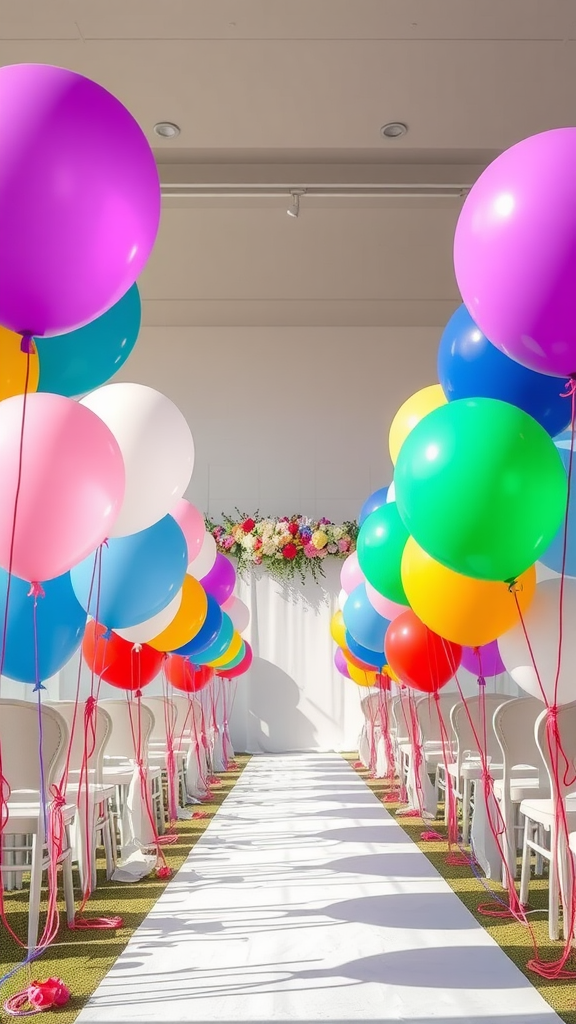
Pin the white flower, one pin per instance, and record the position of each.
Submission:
(248, 541)
(268, 547)
(337, 532)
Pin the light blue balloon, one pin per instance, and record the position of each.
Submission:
(363, 622)
(220, 645)
(553, 556)
(140, 575)
(375, 501)
(72, 364)
(60, 623)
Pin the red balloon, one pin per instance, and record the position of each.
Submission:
(185, 676)
(419, 657)
(117, 661)
(244, 665)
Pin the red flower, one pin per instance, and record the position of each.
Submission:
(258, 544)
(248, 525)
(289, 551)
(293, 528)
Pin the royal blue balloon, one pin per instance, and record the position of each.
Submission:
(470, 367)
(140, 575)
(72, 364)
(376, 500)
(60, 623)
(375, 659)
(208, 634)
(363, 622)
(554, 555)
(220, 644)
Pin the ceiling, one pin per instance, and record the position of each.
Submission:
(295, 92)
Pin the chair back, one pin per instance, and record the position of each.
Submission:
(372, 707)
(20, 735)
(95, 742)
(566, 759)
(431, 713)
(514, 727)
(188, 718)
(467, 724)
(132, 726)
(402, 717)
(165, 716)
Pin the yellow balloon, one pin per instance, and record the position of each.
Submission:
(461, 609)
(233, 650)
(414, 409)
(338, 629)
(361, 676)
(188, 620)
(13, 366)
(387, 671)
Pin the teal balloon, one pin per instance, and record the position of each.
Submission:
(72, 364)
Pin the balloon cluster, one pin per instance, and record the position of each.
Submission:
(93, 522)
(445, 567)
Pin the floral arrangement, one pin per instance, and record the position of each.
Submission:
(286, 546)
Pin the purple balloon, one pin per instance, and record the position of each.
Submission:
(487, 657)
(220, 581)
(515, 252)
(79, 199)
(341, 663)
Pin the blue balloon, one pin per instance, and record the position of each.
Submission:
(554, 555)
(363, 622)
(208, 634)
(376, 500)
(72, 364)
(219, 646)
(373, 658)
(60, 623)
(470, 367)
(140, 575)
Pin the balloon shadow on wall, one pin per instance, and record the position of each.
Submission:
(276, 723)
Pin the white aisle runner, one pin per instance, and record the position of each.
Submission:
(305, 901)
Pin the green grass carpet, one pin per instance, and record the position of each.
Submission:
(513, 938)
(83, 958)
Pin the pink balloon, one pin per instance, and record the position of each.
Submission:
(515, 252)
(72, 484)
(388, 609)
(79, 199)
(191, 522)
(351, 575)
(238, 612)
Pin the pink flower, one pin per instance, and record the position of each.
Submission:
(257, 559)
(332, 549)
(344, 545)
(228, 542)
(310, 551)
(322, 552)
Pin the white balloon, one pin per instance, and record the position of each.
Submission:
(205, 560)
(342, 598)
(146, 631)
(391, 496)
(157, 447)
(239, 613)
(542, 621)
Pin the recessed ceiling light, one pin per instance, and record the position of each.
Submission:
(166, 130)
(394, 130)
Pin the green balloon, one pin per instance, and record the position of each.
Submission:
(481, 488)
(380, 547)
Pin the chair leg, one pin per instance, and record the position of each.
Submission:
(68, 882)
(108, 842)
(465, 812)
(525, 869)
(35, 891)
(553, 887)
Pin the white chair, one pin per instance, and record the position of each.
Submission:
(26, 827)
(140, 800)
(165, 750)
(513, 725)
(88, 737)
(191, 736)
(540, 816)
(374, 738)
(402, 731)
(469, 721)
(436, 739)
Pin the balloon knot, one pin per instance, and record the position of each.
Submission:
(481, 681)
(137, 694)
(27, 343)
(36, 590)
(137, 648)
(513, 585)
(38, 686)
(91, 703)
(570, 387)
(107, 633)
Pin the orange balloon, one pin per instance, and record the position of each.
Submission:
(463, 610)
(188, 620)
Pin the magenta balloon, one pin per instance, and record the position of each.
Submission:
(515, 252)
(79, 199)
(386, 608)
(351, 575)
(240, 669)
(221, 579)
(191, 522)
(486, 657)
(72, 484)
(341, 663)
